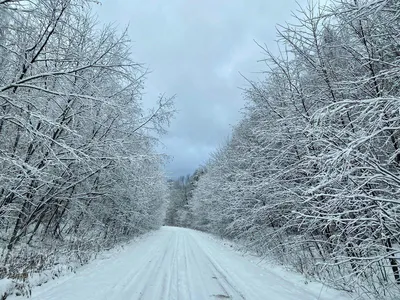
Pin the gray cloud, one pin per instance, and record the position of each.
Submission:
(196, 49)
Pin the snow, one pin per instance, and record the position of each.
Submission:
(178, 263)
(6, 286)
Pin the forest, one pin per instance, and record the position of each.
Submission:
(78, 168)
(310, 176)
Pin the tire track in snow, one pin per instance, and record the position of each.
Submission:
(153, 272)
(175, 264)
(218, 274)
(186, 272)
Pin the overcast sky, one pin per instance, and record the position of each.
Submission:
(196, 49)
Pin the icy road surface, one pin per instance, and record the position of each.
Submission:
(176, 263)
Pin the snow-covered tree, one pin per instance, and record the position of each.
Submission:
(78, 166)
(310, 175)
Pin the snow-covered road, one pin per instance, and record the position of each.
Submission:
(176, 263)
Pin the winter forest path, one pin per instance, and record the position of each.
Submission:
(176, 263)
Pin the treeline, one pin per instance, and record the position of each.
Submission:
(311, 175)
(78, 169)
(180, 194)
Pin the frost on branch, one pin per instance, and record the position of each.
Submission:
(78, 168)
(311, 175)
